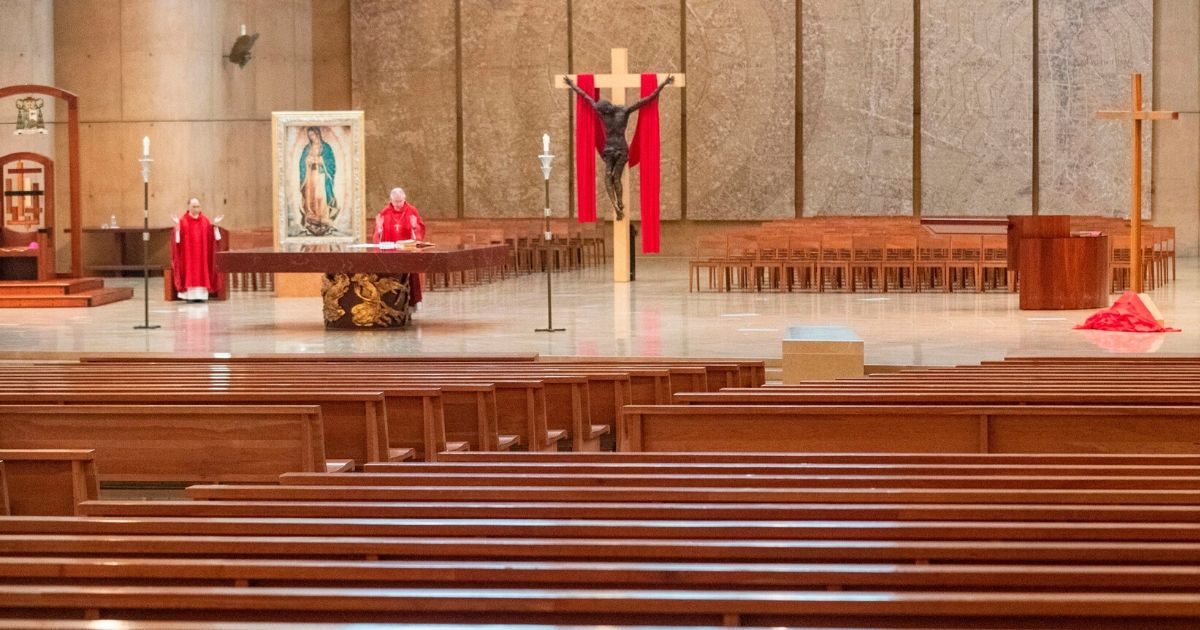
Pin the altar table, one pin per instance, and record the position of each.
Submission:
(363, 288)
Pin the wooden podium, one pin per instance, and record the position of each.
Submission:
(1055, 269)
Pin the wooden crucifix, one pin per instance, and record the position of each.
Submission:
(618, 81)
(1136, 115)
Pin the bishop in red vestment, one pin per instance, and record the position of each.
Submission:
(400, 221)
(193, 255)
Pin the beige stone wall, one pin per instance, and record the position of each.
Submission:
(403, 77)
(858, 99)
(1087, 52)
(331, 55)
(158, 71)
(976, 108)
(506, 45)
(1176, 158)
(739, 157)
(741, 165)
(27, 57)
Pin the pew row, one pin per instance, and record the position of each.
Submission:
(613, 574)
(1167, 611)
(916, 428)
(353, 423)
(49, 482)
(171, 443)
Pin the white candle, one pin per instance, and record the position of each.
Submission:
(546, 144)
(243, 30)
(146, 146)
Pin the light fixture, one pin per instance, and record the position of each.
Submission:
(29, 116)
(240, 54)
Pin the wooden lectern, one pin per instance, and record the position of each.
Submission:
(1055, 269)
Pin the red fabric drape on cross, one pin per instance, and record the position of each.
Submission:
(589, 140)
(646, 152)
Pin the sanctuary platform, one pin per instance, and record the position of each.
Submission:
(654, 316)
(64, 293)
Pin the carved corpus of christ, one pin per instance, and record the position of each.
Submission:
(616, 148)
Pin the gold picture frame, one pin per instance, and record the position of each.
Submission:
(318, 177)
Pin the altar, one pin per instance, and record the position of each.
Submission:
(362, 288)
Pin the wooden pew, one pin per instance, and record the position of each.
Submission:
(126, 624)
(585, 434)
(467, 529)
(860, 458)
(244, 443)
(354, 422)
(673, 511)
(258, 573)
(940, 395)
(525, 402)
(915, 428)
(1094, 611)
(710, 480)
(522, 401)
(644, 494)
(878, 549)
(49, 482)
(5, 507)
(632, 466)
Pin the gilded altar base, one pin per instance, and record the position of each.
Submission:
(366, 300)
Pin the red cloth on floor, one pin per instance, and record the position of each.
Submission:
(646, 151)
(589, 140)
(1127, 314)
(193, 255)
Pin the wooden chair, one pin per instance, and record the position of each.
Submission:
(708, 255)
(770, 257)
(933, 260)
(1120, 262)
(900, 260)
(833, 269)
(866, 263)
(966, 258)
(740, 255)
(993, 269)
(40, 259)
(800, 268)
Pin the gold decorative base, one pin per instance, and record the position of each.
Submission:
(366, 300)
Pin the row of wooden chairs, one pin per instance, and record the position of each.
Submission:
(571, 246)
(1158, 257)
(896, 257)
(905, 259)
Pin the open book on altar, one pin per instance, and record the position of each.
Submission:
(409, 244)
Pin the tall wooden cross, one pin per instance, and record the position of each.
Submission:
(618, 81)
(1136, 115)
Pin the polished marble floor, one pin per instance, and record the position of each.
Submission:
(653, 316)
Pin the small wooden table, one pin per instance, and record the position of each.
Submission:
(129, 259)
(363, 288)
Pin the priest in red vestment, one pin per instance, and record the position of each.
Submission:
(400, 221)
(193, 254)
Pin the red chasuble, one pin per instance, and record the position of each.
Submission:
(193, 255)
(393, 225)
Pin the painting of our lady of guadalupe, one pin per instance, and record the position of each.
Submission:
(318, 177)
